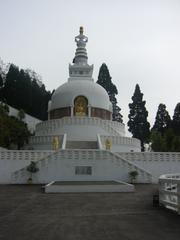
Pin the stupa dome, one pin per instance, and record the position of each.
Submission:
(80, 95)
(65, 95)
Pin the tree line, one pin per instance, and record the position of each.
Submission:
(21, 90)
(163, 136)
(13, 131)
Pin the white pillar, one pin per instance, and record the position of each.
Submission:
(72, 111)
(89, 111)
(111, 116)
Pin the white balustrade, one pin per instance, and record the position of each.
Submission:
(118, 140)
(45, 139)
(152, 156)
(87, 155)
(169, 191)
(48, 127)
(31, 155)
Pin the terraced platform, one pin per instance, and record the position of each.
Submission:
(88, 186)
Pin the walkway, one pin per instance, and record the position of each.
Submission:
(28, 214)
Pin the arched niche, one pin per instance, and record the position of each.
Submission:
(80, 106)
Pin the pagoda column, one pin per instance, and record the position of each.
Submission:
(89, 111)
(72, 111)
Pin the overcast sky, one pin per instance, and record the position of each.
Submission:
(139, 40)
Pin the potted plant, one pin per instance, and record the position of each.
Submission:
(133, 176)
(32, 168)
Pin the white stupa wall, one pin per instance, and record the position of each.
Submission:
(13, 160)
(155, 163)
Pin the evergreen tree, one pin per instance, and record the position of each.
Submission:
(19, 133)
(104, 79)
(138, 124)
(166, 142)
(1, 88)
(176, 120)
(23, 90)
(1, 81)
(21, 114)
(163, 119)
(12, 130)
(10, 86)
(4, 126)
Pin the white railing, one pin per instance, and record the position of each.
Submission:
(48, 127)
(32, 155)
(44, 139)
(118, 140)
(20, 176)
(169, 191)
(151, 156)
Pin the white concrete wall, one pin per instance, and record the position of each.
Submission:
(73, 125)
(61, 166)
(11, 161)
(157, 163)
(121, 144)
(104, 167)
(44, 142)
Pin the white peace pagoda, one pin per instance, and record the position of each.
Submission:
(80, 143)
(80, 113)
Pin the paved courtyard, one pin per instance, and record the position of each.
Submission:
(27, 213)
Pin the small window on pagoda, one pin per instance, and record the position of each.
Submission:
(80, 106)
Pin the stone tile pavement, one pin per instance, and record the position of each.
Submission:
(26, 213)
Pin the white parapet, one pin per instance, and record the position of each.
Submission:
(82, 165)
(121, 144)
(70, 125)
(169, 191)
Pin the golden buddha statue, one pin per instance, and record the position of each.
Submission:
(108, 144)
(80, 106)
(55, 143)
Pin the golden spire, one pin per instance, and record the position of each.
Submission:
(81, 30)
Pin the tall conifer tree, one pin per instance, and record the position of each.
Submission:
(176, 120)
(104, 79)
(1, 88)
(138, 124)
(10, 86)
(1, 81)
(163, 119)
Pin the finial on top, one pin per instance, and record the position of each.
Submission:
(81, 30)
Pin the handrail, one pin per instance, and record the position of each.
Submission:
(44, 139)
(151, 156)
(33, 155)
(121, 140)
(64, 141)
(47, 127)
(102, 155)
(99, 142)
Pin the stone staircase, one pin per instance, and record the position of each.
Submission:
(60, 166)
(81, 145)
